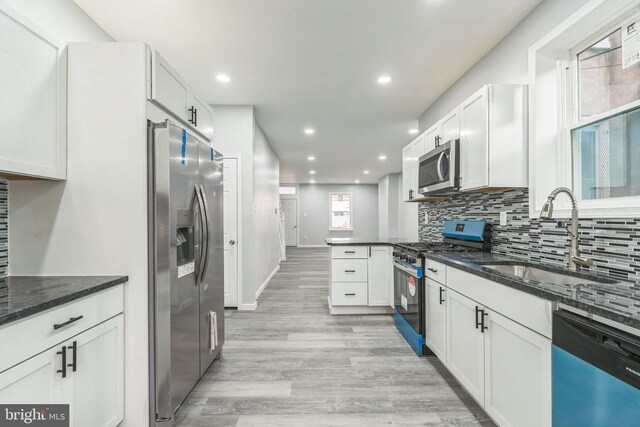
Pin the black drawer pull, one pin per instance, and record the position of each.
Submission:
(63, 367)
(482, 327)
(68, 322)
(350, 295)
(349, 271)
(441, 298)
(74, 352)
(477, 321)
(349, 252)
(433, 270)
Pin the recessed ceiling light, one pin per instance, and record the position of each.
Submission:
(382, 157)
(312, 172)
(309, 131)
(311, 181)
(311, 158)
(383, 80)
(223, 78)
(366, 171)
(413, 131)
(357, 181)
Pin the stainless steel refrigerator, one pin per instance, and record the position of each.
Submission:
(186, 264)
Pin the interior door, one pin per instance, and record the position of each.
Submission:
(230, 203)
(212, 284)
(290, 207)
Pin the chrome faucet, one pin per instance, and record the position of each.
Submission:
(575, 260)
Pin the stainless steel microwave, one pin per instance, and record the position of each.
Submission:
(439, 170)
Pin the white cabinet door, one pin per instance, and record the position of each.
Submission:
(474, 142)
(418, 150)
(436, 319)
(202, 116)
(518, 374)
(465, 344)
(96, 389)
(450, 126)
(408, 186)
(35, 380)
(169, 89)
(33, 102)
(432, 138)
(380, 270)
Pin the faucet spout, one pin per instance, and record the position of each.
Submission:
(575, 260)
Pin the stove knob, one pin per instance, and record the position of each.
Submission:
(412, 260)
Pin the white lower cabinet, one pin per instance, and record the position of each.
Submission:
(86, 372)
(465, 349)
(517, 374)
(505, 366)
(436, 318)
(380, 270)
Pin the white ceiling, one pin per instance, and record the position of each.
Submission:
(314, 63)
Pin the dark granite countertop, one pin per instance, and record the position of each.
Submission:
(354, 241)
(22, 296)
(612, 299)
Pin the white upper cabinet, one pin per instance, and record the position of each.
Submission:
(450, 126)
(409, 175)
(493, 138)
(33, 102)
(168, 88)
(432, 137)
(171, 91)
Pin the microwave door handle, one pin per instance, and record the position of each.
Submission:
(440, 159)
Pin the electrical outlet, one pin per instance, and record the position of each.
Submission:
(503, 218)
(426, 218)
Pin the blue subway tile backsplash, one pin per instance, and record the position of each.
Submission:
(4, 227)
(614, 244)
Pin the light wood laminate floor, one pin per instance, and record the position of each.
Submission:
(290, 363)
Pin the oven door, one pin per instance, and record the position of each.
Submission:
(408, 298)
(439, 169)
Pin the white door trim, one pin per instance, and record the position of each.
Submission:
(239, 242)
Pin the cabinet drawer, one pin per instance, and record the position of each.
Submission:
(349, 270)
(349, 251)
(435, 271)
(348, 293)
(32, 335)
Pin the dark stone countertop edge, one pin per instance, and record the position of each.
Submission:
(330, 242)
(476, 269)
(46, 305)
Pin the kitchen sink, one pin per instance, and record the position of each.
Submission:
(526, 271)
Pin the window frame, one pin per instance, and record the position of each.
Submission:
(553, 108)
(331, 194)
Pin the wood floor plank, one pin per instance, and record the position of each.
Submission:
(290, 363)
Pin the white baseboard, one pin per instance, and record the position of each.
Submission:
(266, 282)
(248, 307)
(313, 246)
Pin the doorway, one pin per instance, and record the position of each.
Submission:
(230, 186)
(290, 207)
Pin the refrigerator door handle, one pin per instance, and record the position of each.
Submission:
(208, 231)
(203, 226)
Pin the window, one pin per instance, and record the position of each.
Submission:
(605, 135)
(341, 215)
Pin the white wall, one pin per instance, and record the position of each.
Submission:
(266, 206)
(389, 191)
(505, 63)
(313, 199)
(236, 132)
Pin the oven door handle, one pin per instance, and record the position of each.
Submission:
(406, 269)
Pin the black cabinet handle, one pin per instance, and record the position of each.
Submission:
(482, 326)
(349, 252)
(349, 295)
(63, 367)
(68, 322)
(410, 194)
(369, 251)
(433, 270)
(477, 321)
(441, 298)
(195, 117)
(74, 352)
(349, 271)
